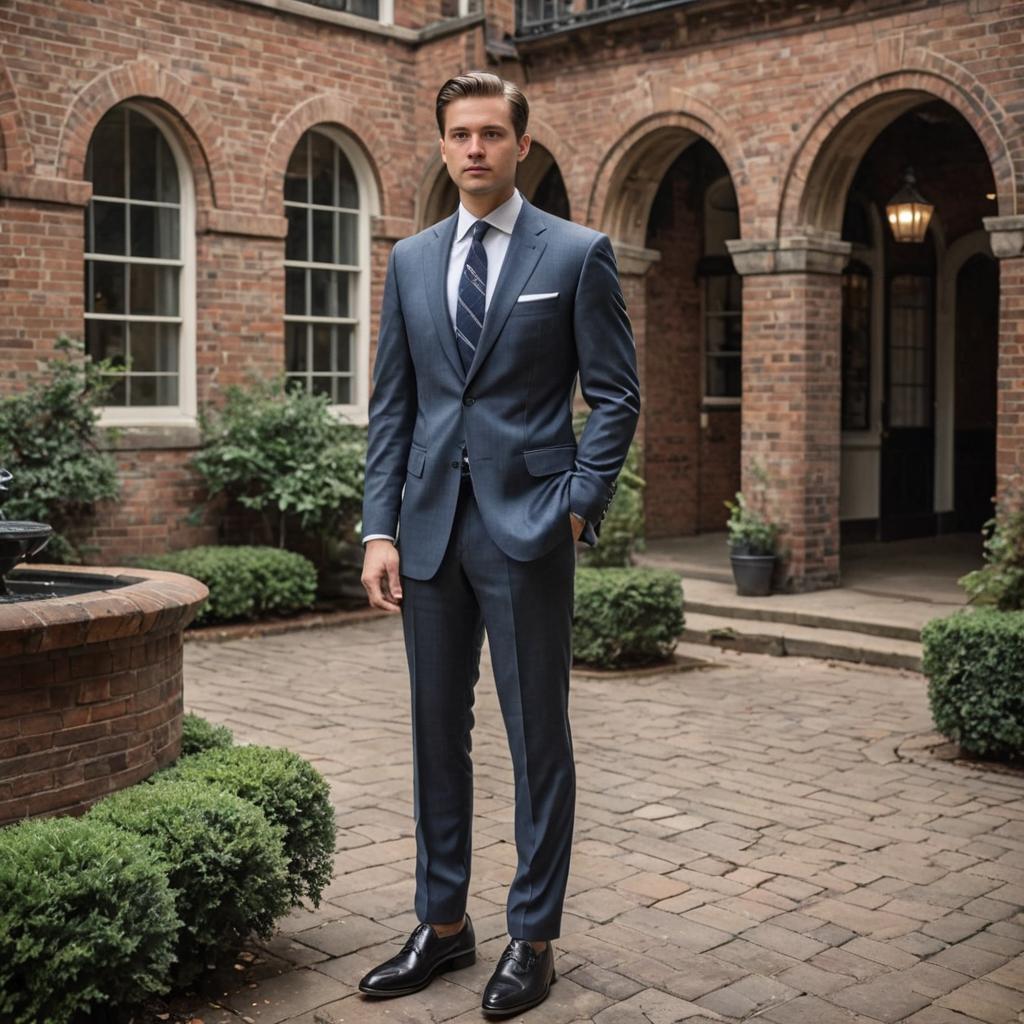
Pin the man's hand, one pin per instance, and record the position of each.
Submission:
(380, 575)
(577, 526)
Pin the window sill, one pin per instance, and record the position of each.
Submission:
(124, 437)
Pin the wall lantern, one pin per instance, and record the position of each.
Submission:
(909, 212)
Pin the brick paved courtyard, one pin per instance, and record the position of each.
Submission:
(759, 838)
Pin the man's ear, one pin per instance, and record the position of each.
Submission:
(524, 146)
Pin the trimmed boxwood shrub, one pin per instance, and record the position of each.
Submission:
(224, 860)
(974, 661)
(289, 791)
(197, 735)
(244, 582)
(626, 617)
(86, 919)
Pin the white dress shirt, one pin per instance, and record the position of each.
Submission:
(502, 220)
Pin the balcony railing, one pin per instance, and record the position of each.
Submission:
(539, 17)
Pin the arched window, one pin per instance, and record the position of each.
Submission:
(139, 267)
(326, 198)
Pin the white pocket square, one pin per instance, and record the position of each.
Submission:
(536, 296)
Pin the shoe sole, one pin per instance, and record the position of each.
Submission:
(521, 1007)
(454, 963)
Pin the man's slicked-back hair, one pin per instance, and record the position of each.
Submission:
(484, 83)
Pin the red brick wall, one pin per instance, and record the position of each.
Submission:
(78, 724)
(1010, 398)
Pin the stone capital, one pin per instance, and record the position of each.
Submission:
(634, 259)
(797, 254)
(1006, 236)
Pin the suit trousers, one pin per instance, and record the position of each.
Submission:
(526, 608)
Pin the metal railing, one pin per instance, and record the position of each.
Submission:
(538, 17)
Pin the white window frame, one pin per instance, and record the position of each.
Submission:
(356, 411)
(185, 412)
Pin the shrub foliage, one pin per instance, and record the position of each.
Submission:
(626, 617)
(244, 582)
(197, 735)
(974, 661)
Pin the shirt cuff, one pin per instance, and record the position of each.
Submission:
(378, 536)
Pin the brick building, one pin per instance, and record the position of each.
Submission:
(210, 188)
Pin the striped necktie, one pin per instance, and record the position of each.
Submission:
(469, 317)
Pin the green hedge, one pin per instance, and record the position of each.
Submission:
(974, 661)
(87, 918)
(244, 582)
(224, 860)
(626, 617)
(197, 735)
(289, 791)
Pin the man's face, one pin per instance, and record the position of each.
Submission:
(479, 145)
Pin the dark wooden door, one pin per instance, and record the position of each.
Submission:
(908, 410)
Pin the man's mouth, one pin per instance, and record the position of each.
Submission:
(474, 168)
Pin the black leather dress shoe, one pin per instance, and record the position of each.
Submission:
(423, 955)
(522, 979)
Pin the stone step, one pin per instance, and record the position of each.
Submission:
(765, 636)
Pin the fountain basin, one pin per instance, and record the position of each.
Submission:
(90, 683)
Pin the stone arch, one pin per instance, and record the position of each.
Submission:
(145, 80)
(15, 147)
(325, 109)
(632, 170)
(825, 161)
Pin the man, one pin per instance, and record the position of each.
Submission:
(476, 493)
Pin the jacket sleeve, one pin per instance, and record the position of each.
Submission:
(608, 380)
(392, 414)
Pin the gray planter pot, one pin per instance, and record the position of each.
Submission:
(752, 573)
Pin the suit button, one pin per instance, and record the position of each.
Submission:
(455, 465)
(468, 400)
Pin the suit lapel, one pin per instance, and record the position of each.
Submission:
(435, 272)
(524, 250)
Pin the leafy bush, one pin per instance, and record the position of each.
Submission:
(244, 582)
(1001, 581)
(289, 791)
(974, 661)
(225, 863)
(86, 918)
(626, 617)
(48, 440)
(284, 454)
(197, 735)
(622, 529)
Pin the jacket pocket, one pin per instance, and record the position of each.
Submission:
(554, 459)
(417, 458)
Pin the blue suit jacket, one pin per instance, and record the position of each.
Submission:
(513, 409)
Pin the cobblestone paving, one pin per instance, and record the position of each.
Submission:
(749, 844)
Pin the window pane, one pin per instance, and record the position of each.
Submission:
(154, 290)
(324, 247)
(330, 292)
(343, 390)
(296, 245)
(724, 377)
(107, 291)
(118, 393)
(152, 171)
(348, 192)
(105, 339)
(323, 349)
(155, 232)
(295, 347)
(348, 238)
(343, 335)
(150, 391)
(295, 291)
(105, 166)
(105, 228)
(153, 348)
(322, 170)
(295, 181)
(322, 386)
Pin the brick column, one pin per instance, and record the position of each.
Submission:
(791, 397)
(633, 263)
(1007, 239)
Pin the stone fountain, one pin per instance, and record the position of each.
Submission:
(90, 675)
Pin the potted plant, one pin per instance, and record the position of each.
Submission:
(752, 542)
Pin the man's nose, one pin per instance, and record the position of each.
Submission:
(476, 144)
